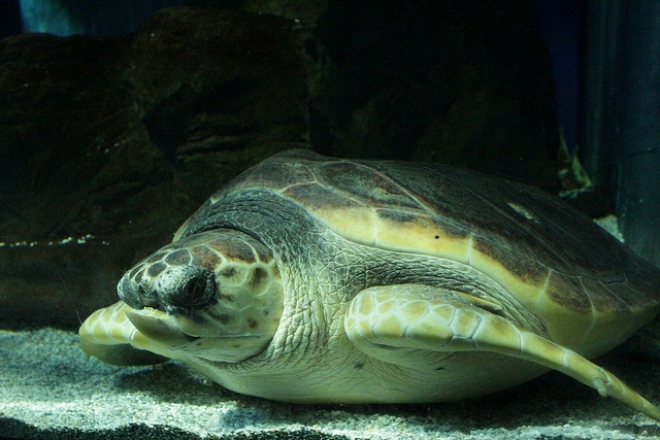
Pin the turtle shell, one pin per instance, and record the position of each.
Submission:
(553, 260)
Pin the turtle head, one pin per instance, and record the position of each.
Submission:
(216, 295)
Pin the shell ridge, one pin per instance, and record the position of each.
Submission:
(544, 220)
(388, 178)
(318, 179)
(606, 286)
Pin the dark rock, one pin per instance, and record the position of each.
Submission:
(463, 82)
(466, 83)
(62, 282)
(123, 138)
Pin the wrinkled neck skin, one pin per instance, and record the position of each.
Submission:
(307, 258)
(300, 253)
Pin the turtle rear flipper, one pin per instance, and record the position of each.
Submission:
(430, 319)
(107, 335)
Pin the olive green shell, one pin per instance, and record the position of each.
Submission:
(555, 261)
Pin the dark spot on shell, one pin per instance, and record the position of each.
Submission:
(439, 368)
(437, 237)
(228, 272)
(258, 275)
(179, 258)
(252, 323)
(359, 365)
(155, 269)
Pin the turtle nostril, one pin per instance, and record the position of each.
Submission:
(127, 293)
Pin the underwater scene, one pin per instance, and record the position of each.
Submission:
(330, 220)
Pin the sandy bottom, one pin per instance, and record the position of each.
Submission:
(48, 389)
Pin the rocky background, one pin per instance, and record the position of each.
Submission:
(108, 143)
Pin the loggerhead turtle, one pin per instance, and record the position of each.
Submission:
(315, 280)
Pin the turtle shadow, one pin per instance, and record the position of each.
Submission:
(171, 383)
(549, 400)
(524, 405)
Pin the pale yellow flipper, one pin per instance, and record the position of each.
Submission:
(109, 335)
(429, 318)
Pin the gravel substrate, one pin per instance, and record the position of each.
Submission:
(49, 390)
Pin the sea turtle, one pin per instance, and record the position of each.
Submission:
(311, 279)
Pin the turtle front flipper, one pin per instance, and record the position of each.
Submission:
(107, 334)
(421, 319)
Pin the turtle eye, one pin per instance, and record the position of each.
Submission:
(186, 287)
(200, 292)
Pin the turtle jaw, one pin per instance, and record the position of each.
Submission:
(161, 333)
(157, 327)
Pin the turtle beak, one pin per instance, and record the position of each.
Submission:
(157, 327)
